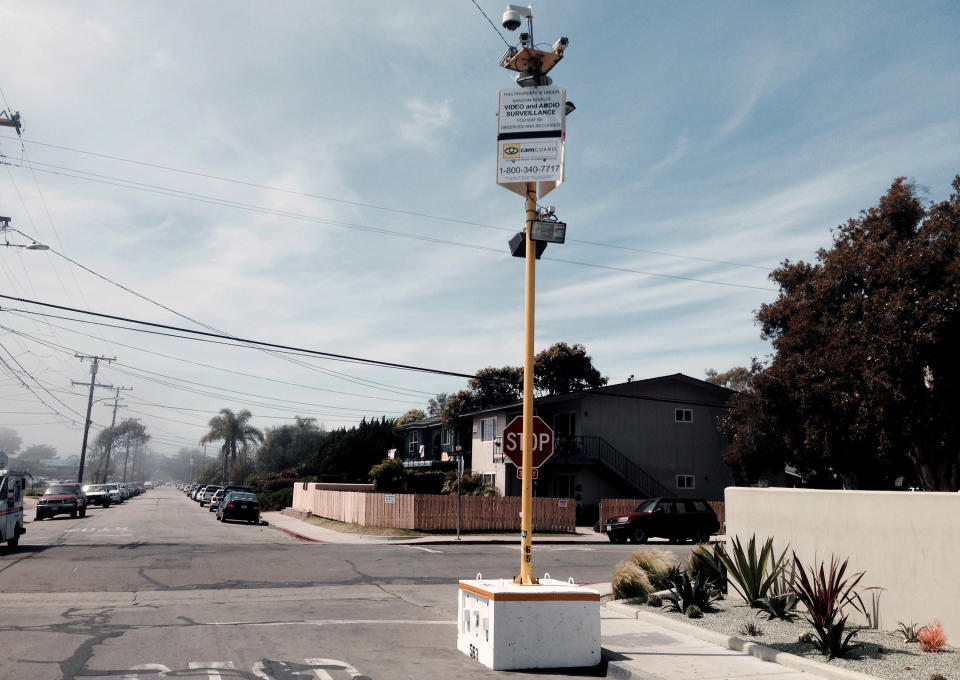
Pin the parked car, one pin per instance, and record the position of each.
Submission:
(97, 494)
(116, 493)
(60, 499)
(208, 494)
(240, 505)
(215, 500)
(676, 519)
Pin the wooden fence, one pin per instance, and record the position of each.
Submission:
(622, 506)
(433, 512)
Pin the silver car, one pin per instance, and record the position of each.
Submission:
(208, 494)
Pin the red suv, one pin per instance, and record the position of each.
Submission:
(676, 519)
(60, 499)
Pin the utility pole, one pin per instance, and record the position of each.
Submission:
(93, 383)
(113, 422)
(126, 457)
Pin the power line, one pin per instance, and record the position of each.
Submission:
(284, 404)
(166, 191)
(197, 363)
(495, 29)
(246, 341)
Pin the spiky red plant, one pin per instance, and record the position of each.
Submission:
(932, 638)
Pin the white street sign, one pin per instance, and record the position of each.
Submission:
(530, 138)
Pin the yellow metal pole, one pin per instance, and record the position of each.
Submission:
(526, 503)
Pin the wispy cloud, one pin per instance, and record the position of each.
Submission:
(426, 120)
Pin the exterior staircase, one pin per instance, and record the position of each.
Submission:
(597, 450)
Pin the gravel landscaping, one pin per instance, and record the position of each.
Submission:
(880, 653)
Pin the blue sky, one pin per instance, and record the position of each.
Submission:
(711, 141)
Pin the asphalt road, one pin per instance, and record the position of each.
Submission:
(156, 588)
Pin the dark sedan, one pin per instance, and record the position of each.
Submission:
(241, 505)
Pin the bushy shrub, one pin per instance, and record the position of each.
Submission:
(277, 484)
(693, 612)
(389, 476)
(276, 500)
(630, 581)
(658, 564)
(932, 638)
(654, 600)
(426, 482)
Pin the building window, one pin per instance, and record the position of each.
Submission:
(564, 424)
(487, 427)
(414, 445)
(685, 482)
(489, 478)
(683, 415)
(445, 437)
(564, 486)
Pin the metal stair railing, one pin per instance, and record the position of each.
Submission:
(599, 450)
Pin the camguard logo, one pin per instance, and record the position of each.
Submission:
(510, 150)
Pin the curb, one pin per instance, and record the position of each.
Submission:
(299, 537)
(761, 652)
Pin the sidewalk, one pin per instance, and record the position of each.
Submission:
(641, 645)
(305, 531)
(635, 644)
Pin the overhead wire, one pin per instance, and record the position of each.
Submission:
(204, 198)
(219, 368)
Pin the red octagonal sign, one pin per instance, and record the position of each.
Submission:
(513, 441)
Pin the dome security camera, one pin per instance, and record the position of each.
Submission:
(512, 19)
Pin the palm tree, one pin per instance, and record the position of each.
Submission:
(236, 434)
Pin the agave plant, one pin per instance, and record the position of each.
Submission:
(830, 640)
(780, 601)
(908, 631)
(825, 598)
(688, 591)
(752, 575)
(705, 561)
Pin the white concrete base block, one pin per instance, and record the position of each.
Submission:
(506, 626)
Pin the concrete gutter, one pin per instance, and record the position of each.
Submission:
(761, 652)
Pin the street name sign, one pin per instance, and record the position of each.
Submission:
(531, 127)
(513, 441)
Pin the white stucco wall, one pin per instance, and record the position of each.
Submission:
(907, 543)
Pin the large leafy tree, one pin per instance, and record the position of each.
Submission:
(559, 369)
(348, 454)
(737, 378)
(412, 416)
(289, 445)
(563, 368)
(236, 433)
(864, 384)
(436, 404)
(10, 441)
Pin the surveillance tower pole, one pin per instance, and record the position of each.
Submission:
(541, 127)
(86, 425)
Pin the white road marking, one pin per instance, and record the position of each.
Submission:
(212, 667)
(339, 665)
(132, 675)
(429, 550)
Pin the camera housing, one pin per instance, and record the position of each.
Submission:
(511, 19)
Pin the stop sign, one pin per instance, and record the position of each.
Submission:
(513, 441)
